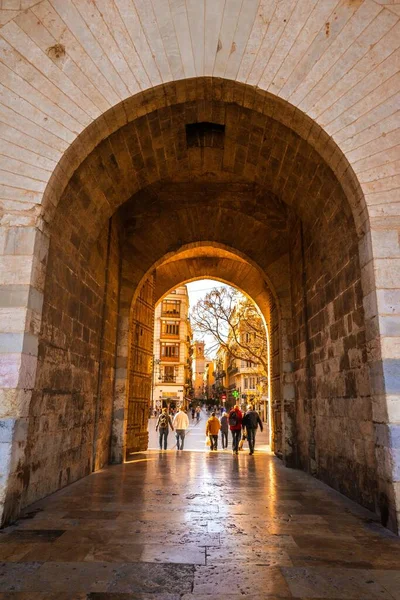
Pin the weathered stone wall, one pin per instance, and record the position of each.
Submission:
(108, 348)
(70, 411)
(275, 384)
(335, 430)
(71, 76)
(239, 193)
(140, 364)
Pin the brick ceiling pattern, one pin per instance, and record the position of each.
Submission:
(65, 62)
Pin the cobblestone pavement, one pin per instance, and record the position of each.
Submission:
(195, 526)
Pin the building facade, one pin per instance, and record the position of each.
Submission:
(247, 379)
(199, 370)
(208, 378)
(237, 375)
(172, 347)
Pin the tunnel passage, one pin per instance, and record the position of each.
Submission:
(200, 261)
(252, 184)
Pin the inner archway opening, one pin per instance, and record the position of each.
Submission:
(210, 353)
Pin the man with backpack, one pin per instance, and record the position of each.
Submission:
(251, 421)
(235, 425)
(163, 424)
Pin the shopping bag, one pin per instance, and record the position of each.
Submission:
(208, 441)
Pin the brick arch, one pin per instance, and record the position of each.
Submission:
(269, 290)
(205, 96)
(267, 187)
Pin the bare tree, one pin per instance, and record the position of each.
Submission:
(234, 323)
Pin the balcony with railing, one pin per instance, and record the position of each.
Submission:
(169, 329)
(171, 308)
(169, 352)
(167, 335)
(174, 358)
(170, 312)
(168, 379)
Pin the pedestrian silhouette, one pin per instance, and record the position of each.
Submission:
(251, 421)
(212, 428)
(163, 424)
(235, 425)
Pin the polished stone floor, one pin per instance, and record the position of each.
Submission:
(195, 526)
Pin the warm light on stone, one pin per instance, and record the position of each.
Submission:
(288, 190)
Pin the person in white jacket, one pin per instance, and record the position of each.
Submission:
(181, 423)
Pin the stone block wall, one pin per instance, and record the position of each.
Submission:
(107, 349)
(69, 419)
(276, 398)
(331, 72)
(335, 429)
(277, 161)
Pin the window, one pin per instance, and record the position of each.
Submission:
(205, 135)
(250, 383)
(169, 350)
(170, 327)
(250, 363)
(250, 337)
(171, 307)
(169, 374)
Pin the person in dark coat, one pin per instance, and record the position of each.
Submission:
(251, 421)
(224, 430)
(235, 418)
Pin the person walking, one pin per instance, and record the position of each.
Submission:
(163, 424)
(212, 428)
(181, 423)
(193, 412)
(251, 421)
(224, 430)
(235, 425)
(198, 411)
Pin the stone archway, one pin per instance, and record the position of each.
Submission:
(197, 261)
(194, 161)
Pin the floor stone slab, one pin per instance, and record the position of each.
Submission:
(346, 584)
(153, 578)
(147, 553)
(73, 576)
(146, 530)
(15, 576)
(262, 556)
(247, 580)
(43, 596)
